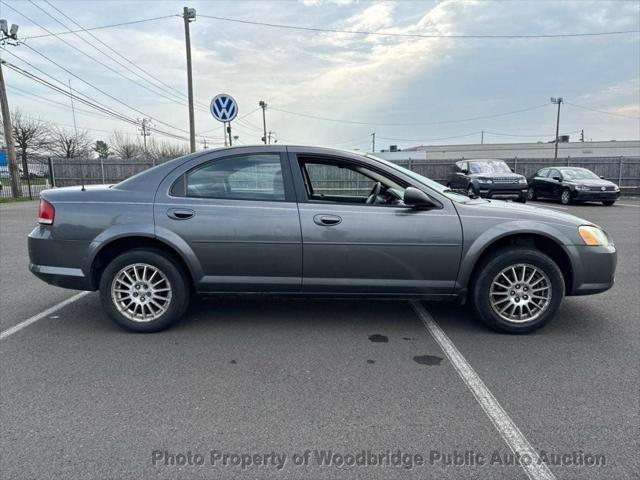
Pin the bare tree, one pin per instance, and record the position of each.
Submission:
(162, 151)
(66, 143)
(29, 135)
(124, 148)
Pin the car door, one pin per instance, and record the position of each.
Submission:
(353, 247)
(237, 219)
(554, 184)
(538, 182)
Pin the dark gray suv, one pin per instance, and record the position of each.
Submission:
(288, 220)
(488, 178)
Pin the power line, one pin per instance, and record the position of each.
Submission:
(158, 90)
(416, 35)
(85, 30)
(113, 25)
(88, 83)
(89, 103)
(429, 139)
(602, 111)
(441, 122)
(236, 120)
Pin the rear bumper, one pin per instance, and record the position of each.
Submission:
(594, 270)
(57, 262)
(62, 277)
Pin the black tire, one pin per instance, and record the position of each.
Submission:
(471, 191)
(496, 263)
(175, 275)
(565, 197)
(608, 203)
(531, 194)
(522, 198)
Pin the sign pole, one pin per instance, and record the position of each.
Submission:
(230, 137)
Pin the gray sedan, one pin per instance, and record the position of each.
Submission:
(289, 220)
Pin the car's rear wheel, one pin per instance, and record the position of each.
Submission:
(565, 197)
(144, 290)
(517, 290)
(608, 203)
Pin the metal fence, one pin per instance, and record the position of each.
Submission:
(41, 173)
(34, 177)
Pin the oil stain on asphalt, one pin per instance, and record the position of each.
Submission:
(428, 360)
(377, 338)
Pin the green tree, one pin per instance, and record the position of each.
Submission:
(101, 148)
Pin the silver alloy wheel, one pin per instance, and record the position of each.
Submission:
(520, 293)
(565, 197)
(141, 292)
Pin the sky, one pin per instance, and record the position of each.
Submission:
(331, 88)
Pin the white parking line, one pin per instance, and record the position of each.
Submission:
(627, 205)
(25, 323)
(517, 442)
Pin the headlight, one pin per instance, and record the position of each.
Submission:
(485, 180)
(522, 180)
(616, 188)
(582, 187)
(593, 235)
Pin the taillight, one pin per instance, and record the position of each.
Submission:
(46, 213)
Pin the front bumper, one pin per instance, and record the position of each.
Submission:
(595, 196)
(593, 269)
(507, 190)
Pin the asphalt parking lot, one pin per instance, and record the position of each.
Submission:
(271, 379)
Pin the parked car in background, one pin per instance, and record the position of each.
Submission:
(488, 178)
(292, 220)
(572, 185)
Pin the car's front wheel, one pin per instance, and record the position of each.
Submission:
(517, 290)
(565, 197)
(531, 194)
(144, 290)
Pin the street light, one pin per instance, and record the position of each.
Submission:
(557, 101)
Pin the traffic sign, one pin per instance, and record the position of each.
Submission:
(224, 108)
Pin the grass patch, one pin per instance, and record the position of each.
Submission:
(13, 200)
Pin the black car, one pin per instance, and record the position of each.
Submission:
(488, 178)
(572, 185)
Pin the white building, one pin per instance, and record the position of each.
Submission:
(613, 148)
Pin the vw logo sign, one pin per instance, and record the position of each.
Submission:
(603, 188)
(223, 107)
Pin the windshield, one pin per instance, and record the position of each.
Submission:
(488, 166)
(578, 174)
(438, 187)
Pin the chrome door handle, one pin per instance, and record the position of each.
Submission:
(180, 213)
(326, 220)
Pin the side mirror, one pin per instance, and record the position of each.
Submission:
(557, 178)
(602, 177)
(417, 199)
(464, 171)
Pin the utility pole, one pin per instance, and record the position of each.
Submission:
(270, 134)
(482, 137)
(11, 37)
(145, 125)
(189, 15)
(557, 101)
(582, 135)
(263, 105)
(373, 142)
